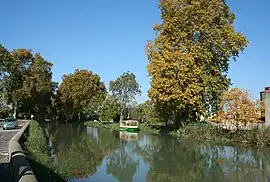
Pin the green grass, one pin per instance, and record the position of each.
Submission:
(36, 146)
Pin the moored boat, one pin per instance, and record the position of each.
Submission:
(129, 126)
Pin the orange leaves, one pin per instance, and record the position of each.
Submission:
(237, 108)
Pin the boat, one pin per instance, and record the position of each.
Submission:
(129, 126)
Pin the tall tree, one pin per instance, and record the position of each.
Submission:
(125, 88)
(78, 89)
(14, 73)
(26, 81)
(189, 59)
(38, 87)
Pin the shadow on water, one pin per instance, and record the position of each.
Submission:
(44, 173)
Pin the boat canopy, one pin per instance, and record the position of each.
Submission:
(129, 123)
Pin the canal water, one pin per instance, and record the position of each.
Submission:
(102, 155)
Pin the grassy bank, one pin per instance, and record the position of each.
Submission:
(205, 131)
(202, 131)
(36, 146)
(151, 129)
(111, 126)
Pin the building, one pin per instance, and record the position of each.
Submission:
(265, 97)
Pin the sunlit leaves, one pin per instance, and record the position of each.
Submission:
(125, 88)
(237, 108)
(79, 89)
(189, 58)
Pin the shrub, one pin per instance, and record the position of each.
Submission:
(203, 131)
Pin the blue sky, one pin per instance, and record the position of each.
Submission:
(108, 37)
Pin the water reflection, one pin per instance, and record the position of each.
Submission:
(103, 155)
(126, 136)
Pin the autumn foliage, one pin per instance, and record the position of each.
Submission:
(238, 108)
(189, 58)
(80, 89)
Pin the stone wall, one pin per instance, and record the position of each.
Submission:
(19, 164)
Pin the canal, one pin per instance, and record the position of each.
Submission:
(102, 155)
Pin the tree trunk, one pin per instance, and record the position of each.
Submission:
(80, 116)
(121, 115)
(15, 109)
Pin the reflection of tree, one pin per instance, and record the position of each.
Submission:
(168, 159)
(122, 163)
(80, 158)
(171, 160)
(76, 152)
(174, 161)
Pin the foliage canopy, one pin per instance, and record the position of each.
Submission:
(189, 58)
(125, 88)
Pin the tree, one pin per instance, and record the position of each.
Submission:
(93, 108)
(77, 90)
(145, 112)
(14, 68)
(26, 81)
(38, 87)
(124, 88)
(237, 108)
(189, 59)
(109, 109)
(137, 112)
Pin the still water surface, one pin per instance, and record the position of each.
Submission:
(102, 155)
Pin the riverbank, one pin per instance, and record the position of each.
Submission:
(36, 147)
(150, 129)
(259, 136)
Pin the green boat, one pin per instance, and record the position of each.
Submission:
(129, 126)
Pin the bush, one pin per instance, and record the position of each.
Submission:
(203, 131)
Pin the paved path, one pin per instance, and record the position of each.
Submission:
(5, 137)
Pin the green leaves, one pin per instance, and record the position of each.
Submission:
(125, 88)
(27, 80)
(109, 109)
